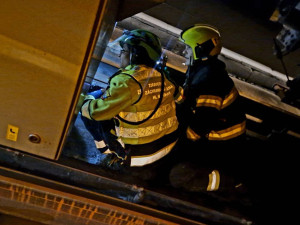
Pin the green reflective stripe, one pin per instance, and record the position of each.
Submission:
(137, 116)
(228, 133)
(230, 98)
(147, 159)
(213, 181)
(192, 135)
(179, 96)
(209, 101)
(147, 131)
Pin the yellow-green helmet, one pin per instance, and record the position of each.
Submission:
(143, 39)
(205, 40)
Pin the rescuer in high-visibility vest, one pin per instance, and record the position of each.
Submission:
(141, 101)
(215, 119)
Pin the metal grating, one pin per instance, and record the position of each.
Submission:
(53, 208)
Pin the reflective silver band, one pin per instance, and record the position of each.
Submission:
(138, 116)
(100, 144)
(85, 111)
(147, 159)
(214, 181)
(147, 131)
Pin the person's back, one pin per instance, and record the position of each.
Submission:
(160, 127)
(216, 120)
(141, 100)
(209, 91)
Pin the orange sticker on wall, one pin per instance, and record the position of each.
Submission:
(12, 132)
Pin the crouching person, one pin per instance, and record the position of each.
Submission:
(140, 102)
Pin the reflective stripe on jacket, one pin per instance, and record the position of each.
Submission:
(215, 102)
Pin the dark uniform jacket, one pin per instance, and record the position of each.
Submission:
(214, 102)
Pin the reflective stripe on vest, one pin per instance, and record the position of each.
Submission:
(216, 101)
(164, 120)
(147, 159)
(146, 131)
(213, 181)
(228, 133)
(137, 116)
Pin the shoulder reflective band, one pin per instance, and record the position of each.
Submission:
(147, 159)
(213, 181)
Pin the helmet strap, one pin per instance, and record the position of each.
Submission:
(191, 60)
(130, 56)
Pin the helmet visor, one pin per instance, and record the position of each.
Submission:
(188, 54)
(114, 46)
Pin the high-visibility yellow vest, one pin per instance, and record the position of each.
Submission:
(163, 122)
(133, 94)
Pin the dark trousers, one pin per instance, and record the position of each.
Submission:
(200, 158)
(101, 131)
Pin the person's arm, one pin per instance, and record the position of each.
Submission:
(179, 95)
(206, 120)
(123, 91)
(205, 108)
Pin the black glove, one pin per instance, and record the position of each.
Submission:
(113, 161)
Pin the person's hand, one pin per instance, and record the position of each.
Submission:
(97, 93)
(113, 161)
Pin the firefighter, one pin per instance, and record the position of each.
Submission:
(141, 102)
(215, 118)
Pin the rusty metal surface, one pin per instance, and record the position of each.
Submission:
(51, 206)
(111, 190)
